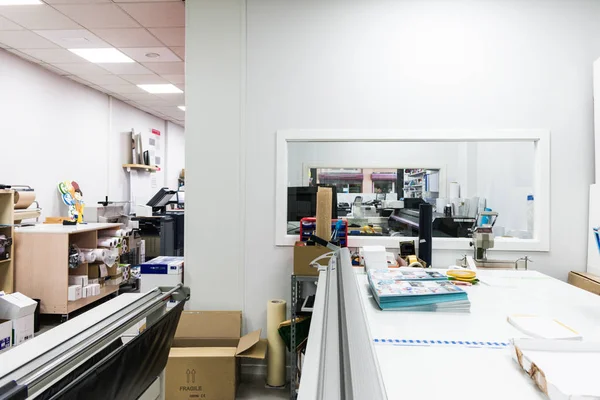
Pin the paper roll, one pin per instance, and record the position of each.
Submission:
(23, 199)
(440, 204)
(276, 310)
(87, 256)
(106, 242)
(113, 233)
(100, 254)
(454, 191)
(111, 257)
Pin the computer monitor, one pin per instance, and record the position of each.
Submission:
(161, 198)
(302, 202)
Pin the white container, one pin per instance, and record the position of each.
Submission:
(530, 214)
(74, 292)
(22, 329)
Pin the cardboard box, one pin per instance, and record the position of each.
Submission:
(203, 363)
(81, 280)
(22, 329)
(163, 265)
(16, 305)
(585, 281)
(74, 292)
(5, 335)
(303, 255)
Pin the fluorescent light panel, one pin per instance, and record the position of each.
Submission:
(182, 108)
(97, 56)
(160, 88)
(19, 2)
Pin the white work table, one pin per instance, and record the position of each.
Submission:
(460, 371)
(66, 229)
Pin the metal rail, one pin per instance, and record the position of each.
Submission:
(52, 365)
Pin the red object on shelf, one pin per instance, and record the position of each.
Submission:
(308, 226)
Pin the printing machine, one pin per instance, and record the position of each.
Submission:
(101, 354)
(407, 221)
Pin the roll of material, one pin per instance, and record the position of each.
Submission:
(23, 199)
(454, 191)
(100, 254)
(276, 310)
(116, 239)
(114, 233)
(111, 257)
(87, 256)
(107, 242)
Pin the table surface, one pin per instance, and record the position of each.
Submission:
(66, 229)
(459, 371)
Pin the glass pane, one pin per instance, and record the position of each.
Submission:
(379, 185)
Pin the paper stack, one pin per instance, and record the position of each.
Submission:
(414, 289)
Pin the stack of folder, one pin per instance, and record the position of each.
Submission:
(415, 289)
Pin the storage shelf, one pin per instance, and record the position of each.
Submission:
(77, 304)
(143, 167)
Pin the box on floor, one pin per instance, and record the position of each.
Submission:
(204, 360)
(5, 334)
(19, 309)
(585, 281)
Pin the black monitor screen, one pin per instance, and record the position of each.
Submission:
(302, 202)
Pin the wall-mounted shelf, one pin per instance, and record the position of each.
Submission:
(139, 167)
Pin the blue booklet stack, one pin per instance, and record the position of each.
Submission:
(415, 289)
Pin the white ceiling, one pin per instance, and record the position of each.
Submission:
(42, 33)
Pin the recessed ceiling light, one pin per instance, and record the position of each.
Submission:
(109, 55)
(182, 108)
(19, 2)
(152, 55)
(161, 88)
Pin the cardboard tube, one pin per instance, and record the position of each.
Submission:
(23, 199)
(276, 310)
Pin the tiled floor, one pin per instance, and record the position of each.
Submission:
(255, 390)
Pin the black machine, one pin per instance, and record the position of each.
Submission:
(302, 202)
(407, 221)
(163, 232)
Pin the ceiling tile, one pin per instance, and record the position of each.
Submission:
(53, 56)
(24, 56)
(170, 36)
(174, 99)
(76, 1)
(126, 69)
(168, 68)
(175, 78)
(73, 38)
(104, 79)
(37, 17)
(144, 79)
(180, 51)
(124, 89)
(79, 80)
(128, 37)
(157, 15)
(98, 15)
(141, 96)
(7, 25)
(25, 40)
(52, 68)
(143, 1)
(139, 54)
(153, 103)
(84, 68)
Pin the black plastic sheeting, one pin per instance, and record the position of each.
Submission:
(123, 373)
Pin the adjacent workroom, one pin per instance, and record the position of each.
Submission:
(277, 199)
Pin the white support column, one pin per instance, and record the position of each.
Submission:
(214, 141)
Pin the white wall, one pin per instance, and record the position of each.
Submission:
(56, 129)
(175, 154)
(410, 64)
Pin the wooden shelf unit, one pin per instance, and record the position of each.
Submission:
(7, 266)
(142, 167)
(42, 271)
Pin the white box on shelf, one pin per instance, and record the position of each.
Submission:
(5, 334)
(74, 292)
(81, 280)
(22, 329)
(16, 305)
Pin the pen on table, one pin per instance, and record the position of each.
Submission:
(461, 283)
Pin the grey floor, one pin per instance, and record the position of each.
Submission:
(255, 390)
